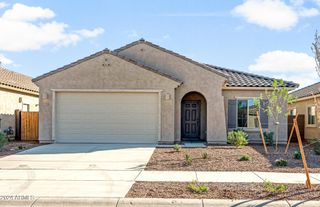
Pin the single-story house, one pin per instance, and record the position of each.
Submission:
(17, 92)
(307, 103)
(143, 93)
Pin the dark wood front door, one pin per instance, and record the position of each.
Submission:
(190, 120)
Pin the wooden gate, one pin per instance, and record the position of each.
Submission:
(300, 125)
(27, 125)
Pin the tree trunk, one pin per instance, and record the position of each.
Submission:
(277, 135)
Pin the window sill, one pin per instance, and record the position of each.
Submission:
(251, 129)
(311, 126)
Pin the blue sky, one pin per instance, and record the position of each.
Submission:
(268, 37)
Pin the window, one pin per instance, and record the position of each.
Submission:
(247, 114)
(311, 115)
(25, 107)
(293, 112)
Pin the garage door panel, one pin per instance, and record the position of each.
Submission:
(107, 117)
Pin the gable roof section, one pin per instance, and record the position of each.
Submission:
(106, 51)
(142, 41)
(16, 80)
(243, 79)
(307, 91)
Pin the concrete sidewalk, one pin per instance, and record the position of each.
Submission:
(245, 177)
(155, 202)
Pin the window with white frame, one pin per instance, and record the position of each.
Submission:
(311, 115)
(247, 114)
(293, 112)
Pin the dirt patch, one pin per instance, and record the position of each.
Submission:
(226, 158)
(221, 191)
(14, 147)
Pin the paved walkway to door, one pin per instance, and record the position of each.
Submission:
(73, 170)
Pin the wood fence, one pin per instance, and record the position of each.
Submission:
(27, 125)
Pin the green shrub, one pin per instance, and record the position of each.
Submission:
(297, 155)
(20, 147)
(316, 146)
(238, 138)
(188, 160)
(3, 140)
(196, 187)
(268, 138)
(204, 155)
(281, 162)
(272, 188)
(245, 157)
(177, 147)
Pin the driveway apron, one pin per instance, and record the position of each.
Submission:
(73, 170)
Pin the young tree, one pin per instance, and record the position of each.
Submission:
(316, 50)
(278, 99)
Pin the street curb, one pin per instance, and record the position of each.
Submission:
(154, 202)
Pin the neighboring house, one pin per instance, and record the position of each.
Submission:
(306, 104)
(17, 91)
(143, 93)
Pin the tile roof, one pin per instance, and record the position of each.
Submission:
(17, 81)
(234, 78)
(244, 79)
(311, 90)
(106, 51)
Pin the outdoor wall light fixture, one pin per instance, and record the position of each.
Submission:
(167, 96)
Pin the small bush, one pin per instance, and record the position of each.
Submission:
(272, 188)
(238, 138)
(316, 146)
(281, 162)
(204, 155)
(177, 147)
(196, 187)
(268, 138)
(245, 158)
(20, 147)
(188, 160)
(297, 155)
(3, 140)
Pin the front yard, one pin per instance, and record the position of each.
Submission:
(226, 158)
(14, 147)
(221, 191)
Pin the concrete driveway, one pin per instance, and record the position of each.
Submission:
(73, 170)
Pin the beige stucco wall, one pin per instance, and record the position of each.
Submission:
(254, 134)
(116, 74)
(194, 78)
(9, 102)
(310, 132)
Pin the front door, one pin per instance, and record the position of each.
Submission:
(190, 120)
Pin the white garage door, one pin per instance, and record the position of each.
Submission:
(113, 117)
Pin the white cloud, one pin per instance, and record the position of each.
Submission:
(273, 14)
(3, 4)
(289, 65)
(21, 12)
(23, 31)
(4, 60)
(91, 33)
(304, 12)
